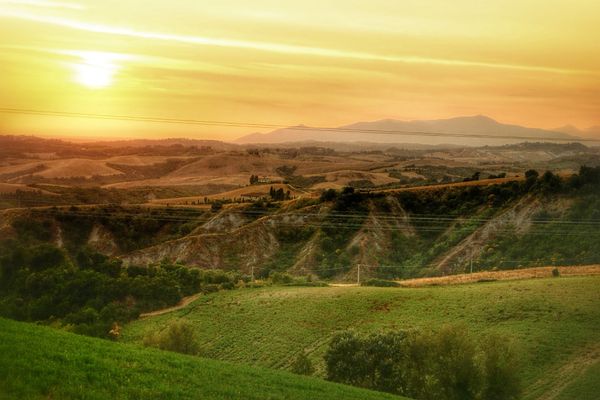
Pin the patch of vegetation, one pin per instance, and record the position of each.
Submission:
(305, 181)
(380, 283)
(302, 365)
(178, 337)
(568, 240)
(345, 218)
(90, 293)
(446, 365)
(134, 227)
(291, 240)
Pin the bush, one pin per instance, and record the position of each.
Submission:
(555, 272)
(502, 380)
(447, 365)
(281, 278)
(302, 365)
(179, 337)
(380, 283)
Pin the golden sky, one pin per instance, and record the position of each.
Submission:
(316, 62)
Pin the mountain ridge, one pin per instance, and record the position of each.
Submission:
(481, 127)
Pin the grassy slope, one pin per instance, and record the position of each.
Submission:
(586, 387)
(550, 319)
(39, 362)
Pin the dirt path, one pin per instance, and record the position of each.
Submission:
(183, 303)
(557, 380)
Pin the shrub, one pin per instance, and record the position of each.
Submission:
(555, 272)
(216, 206)
(380, 283)
(448, 365)
(302, 365)
(178, 337)
(501, 368)
(281, 278)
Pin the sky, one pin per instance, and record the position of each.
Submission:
(320, 63)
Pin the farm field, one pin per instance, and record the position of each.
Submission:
(40, 362)
(553, 322)
(513, 274)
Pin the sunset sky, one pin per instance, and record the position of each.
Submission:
(315, 62)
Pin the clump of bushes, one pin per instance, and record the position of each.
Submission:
(447, 365)
(89, 292)
(379, 283)
(285, 279)
(555, 272)
(178, 337)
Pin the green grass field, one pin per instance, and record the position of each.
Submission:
(586, 387)
(42, 363)
(553, 321)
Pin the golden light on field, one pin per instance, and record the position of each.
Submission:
(533, 63)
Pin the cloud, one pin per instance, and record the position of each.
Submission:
(42, 3)
(279, 48)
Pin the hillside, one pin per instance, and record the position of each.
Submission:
(501, 223)
(554, 322)
(39, 362)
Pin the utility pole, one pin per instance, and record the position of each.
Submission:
(358, 275)
(252, 274)
(471, 263)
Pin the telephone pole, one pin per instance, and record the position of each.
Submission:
(358, 275)
(471, 263)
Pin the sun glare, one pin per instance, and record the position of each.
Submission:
(96, 70)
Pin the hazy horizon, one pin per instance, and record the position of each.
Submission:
(291, 63)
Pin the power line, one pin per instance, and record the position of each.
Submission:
(241, 124)
(334, 219)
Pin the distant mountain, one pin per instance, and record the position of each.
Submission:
(591, 132)
(424, 132)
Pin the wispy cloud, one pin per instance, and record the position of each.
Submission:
(279, 48)
(42, 3)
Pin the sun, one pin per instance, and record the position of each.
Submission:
(96, 69)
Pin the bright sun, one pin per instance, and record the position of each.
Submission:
(96, 70)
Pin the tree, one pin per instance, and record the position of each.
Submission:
(216, 206)
(328, 195)
(447, 365)
(549, 182)
(531, 174)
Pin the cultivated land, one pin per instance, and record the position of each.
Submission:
(554, 323)
(43, 363)
(182, 171)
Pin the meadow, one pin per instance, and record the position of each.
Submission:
(44, 363)
(553, 322)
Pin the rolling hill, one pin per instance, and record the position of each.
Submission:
(553, 322)
(39, 362)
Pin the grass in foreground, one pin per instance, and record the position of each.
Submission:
(551, 320)
(39, 362)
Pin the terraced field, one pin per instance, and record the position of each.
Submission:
(554, 321)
